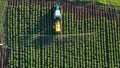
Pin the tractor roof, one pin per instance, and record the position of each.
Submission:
(57, 7)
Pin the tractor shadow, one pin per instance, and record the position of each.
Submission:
(45, 31)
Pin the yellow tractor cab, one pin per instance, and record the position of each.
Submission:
(57, 26)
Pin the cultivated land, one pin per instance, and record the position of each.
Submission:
(90, 36)
(88, 39)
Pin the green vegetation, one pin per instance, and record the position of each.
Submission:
(29, 49)
(110, 2)
(105, 2)
(2, 16)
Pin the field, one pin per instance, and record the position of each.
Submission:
(90, 36)
(88, 41)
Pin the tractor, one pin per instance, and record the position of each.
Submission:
(57, 18)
